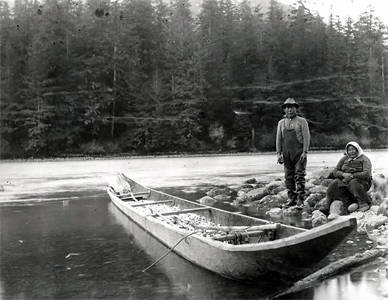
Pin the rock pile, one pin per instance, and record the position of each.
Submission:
(268, 197)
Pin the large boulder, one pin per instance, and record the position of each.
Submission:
(322, 205)
(223, 198)
(246, 186)
(337, 207)
(283, 196)
(313, 199)
(318, 189)
(318, 218)
(325, 182)
(242, 192)
(306, 216)
(256, 194)
(292, 211)
(375, 209)
(383, 208)
(376, 197)
(374, 221)
(207, 200)
(275, 187)
(309, 184)
(275, 212)
(321, 181)
(278, 189)
(380, 185)
(240, 199)
(368, 221)
(260, 184)
(250, 181)
(220, 191)
(269, 201)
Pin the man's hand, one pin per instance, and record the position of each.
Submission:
(280, 158)
(303, 157)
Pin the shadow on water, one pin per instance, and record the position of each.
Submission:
(197, 283)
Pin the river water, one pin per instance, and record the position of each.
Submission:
(62, 238)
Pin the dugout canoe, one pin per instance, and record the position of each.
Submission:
(181, 273)
(249, 249)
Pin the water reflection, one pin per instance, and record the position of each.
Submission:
(367, 283)
(356, 286)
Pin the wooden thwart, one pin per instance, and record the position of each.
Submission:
(141, 195)
(151, 203)
(178, 212)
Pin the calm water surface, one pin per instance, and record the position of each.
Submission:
(62, 238)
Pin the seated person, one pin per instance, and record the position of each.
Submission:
(353, 178)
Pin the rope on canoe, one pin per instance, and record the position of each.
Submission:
(169, 251)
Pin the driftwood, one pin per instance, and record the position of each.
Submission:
(333, 269)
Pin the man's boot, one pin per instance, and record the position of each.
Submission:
(300, 190)
(291, 199)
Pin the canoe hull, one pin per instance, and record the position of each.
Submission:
(287, 259)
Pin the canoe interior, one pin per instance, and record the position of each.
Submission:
(213, 215)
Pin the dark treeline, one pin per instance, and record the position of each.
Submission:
(144, 77)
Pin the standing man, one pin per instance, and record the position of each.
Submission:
(292, 145)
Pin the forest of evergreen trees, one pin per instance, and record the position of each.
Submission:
(102, 77)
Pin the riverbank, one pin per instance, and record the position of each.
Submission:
(179, 155)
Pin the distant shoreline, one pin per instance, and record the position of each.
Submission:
(180, 155)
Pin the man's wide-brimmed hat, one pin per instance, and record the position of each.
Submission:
(290, 102)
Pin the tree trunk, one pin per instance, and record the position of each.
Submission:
(112, 128)
(383, 74)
